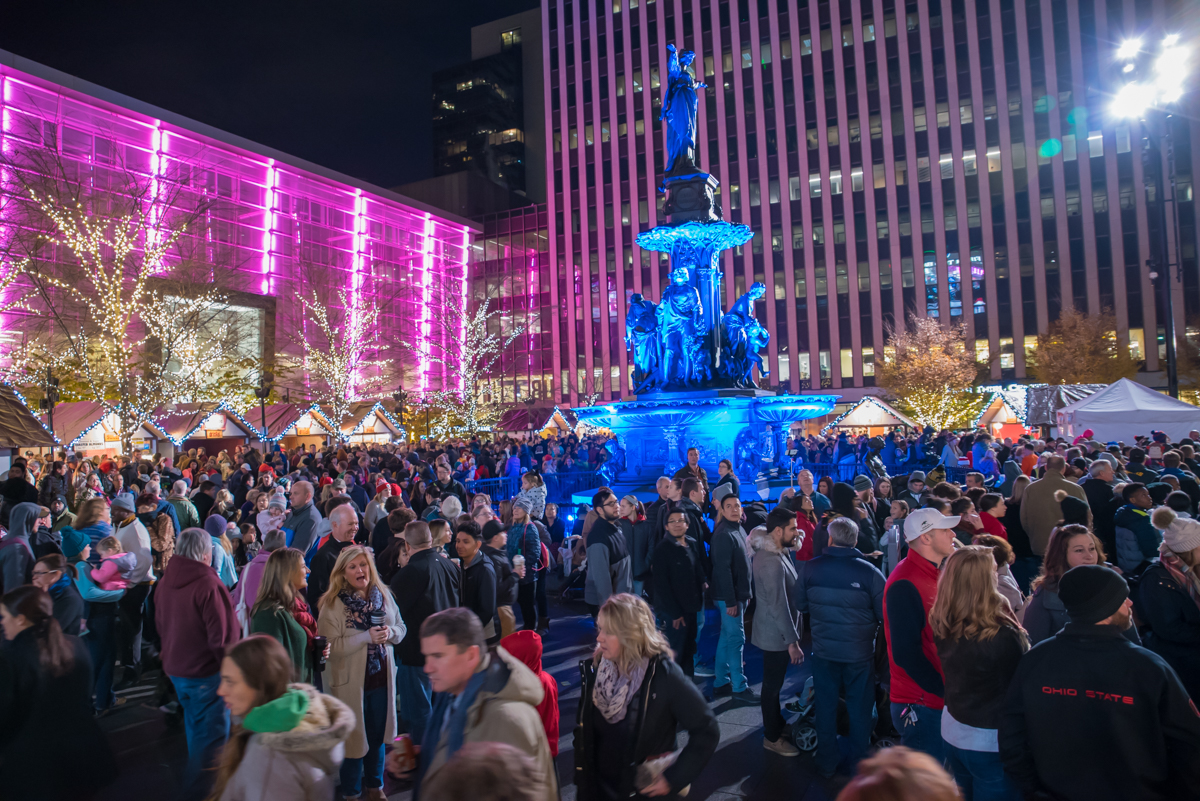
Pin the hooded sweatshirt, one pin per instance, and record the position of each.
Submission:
(527, 646)
(295, 750)
(16, 552)
(195, 619)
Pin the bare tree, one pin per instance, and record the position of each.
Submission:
(128, 303)
(467, 341)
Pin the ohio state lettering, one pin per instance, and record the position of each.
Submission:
(1095, 695)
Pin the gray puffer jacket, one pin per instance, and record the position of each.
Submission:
(297, 765)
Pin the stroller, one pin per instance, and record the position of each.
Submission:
(804, 730)
(576, 577)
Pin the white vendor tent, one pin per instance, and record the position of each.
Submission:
(1126, 409)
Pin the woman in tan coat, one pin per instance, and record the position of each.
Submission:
(361, 621)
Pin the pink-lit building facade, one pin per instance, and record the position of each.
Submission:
(272, 213)
(950, 158)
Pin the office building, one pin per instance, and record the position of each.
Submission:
(270, 219)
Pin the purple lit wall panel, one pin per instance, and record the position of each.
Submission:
(275, 211)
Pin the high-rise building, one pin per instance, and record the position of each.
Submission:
(489, 129)
(949, 158)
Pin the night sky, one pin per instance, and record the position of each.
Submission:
(344, 84)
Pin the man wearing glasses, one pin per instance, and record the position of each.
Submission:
(607, 553)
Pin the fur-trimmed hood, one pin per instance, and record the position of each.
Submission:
(760, 540)
(325, 726)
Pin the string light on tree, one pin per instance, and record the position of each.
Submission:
(461, 341)
(339, 356)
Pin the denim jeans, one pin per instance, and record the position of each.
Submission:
(857, 681)
(728, 665)
(416, 699)
(102, 647)
(696, 660)
(367, 770)
(925, 735)
(206, 722)
(683, 643)
(980, 775)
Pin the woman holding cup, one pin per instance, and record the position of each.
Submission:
(360, 619)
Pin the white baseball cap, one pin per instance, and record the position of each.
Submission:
(922, 521)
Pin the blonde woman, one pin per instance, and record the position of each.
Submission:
(359, 617)
(375, 509)
(281, 611)
(979, 643)
(634, 699)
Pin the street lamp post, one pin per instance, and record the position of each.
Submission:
(1150, 91)
(262, 392)
(401, 397)
(51, 398)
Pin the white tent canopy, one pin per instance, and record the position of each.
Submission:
(1126, 409)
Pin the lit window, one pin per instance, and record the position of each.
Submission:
(1123, 143)
(806, 45)
(881, 227)
(965, 115)
(876, 123)
(639, 127)
(993, 157)
(969, 166)
(847, 36)
(798, 241)
(764, 51)
(1069, 149)
(855, 131)
(814, 184)
(777, 245)
(919, 118)
(1095, 143)
(773, 190)
(785, 48)
(901, 172)
(943, 115)
(856, 179)
(1007, 358)
(735, 197)
(835, 182)
(847, 365)
(794, 187)
(868, 29)
(889, 25)
(864, 276)
(755, 197)
(831, 134)
(880, 175)
(946, 162)
(922, 169)
(637, 80)
(868, 362)
(1100, 200)
(747, 57)
(621, 85)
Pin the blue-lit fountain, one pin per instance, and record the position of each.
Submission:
(694, 366)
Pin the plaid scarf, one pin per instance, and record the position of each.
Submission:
(358, 616)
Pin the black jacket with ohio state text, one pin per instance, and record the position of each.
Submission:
(1090, 716)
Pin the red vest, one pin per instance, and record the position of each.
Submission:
(924, 576)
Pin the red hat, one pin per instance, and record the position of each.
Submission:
(325, 480)
(380, 483)
(396, 489)
(266, 468)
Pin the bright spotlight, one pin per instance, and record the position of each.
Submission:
(1129, 49)
(1131, 100)
(1171, 40)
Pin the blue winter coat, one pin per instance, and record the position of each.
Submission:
(1137, 538)
(843, 594)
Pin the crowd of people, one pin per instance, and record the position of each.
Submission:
(325, 618)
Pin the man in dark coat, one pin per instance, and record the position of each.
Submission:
(1098, 489)
(426, 585)
(679, 583)
(477, 578)
(1089, 715)
(343, 525)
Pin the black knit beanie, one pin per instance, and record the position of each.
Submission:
(1092, 593)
